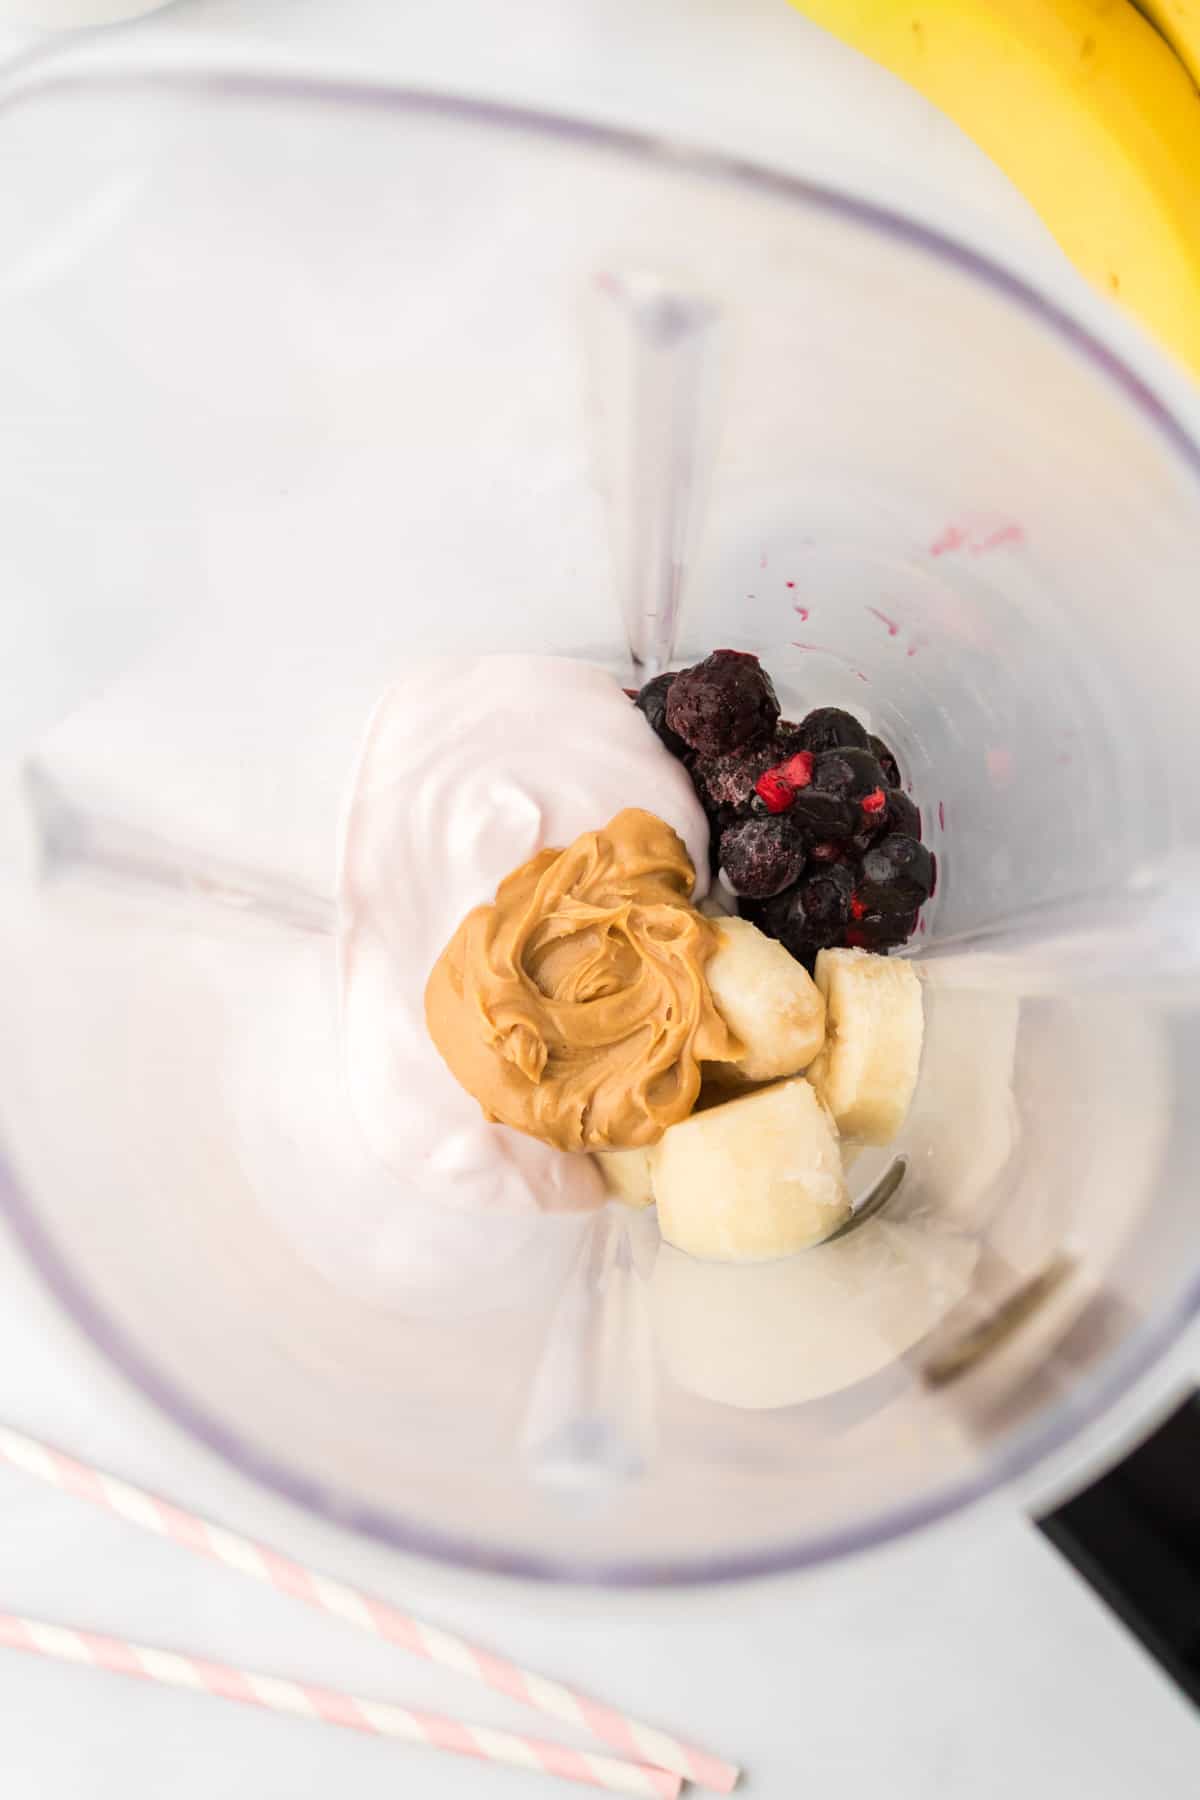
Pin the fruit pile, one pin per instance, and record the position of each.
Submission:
(810, 826)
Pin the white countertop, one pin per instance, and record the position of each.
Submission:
(969, 1662)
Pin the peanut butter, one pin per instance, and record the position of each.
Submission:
(575, 1006)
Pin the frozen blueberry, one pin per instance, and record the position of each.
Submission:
(829, 728)
(897, 874)
(786, 918)
(851, 775)
(867, 834)
(886, 760)
(823, 899)
(902, 814)
(722, 703)
(821, 817)
(768, 914)
(880, 931)
(651, 701)
(761, 857)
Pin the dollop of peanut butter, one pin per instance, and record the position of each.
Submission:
(575, 1006)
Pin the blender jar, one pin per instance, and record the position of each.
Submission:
(300, 380)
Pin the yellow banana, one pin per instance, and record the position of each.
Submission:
(1179, 22)
(1086, 109)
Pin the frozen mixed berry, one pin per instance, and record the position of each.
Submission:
(869, 832)
(808, 822)
(824, 851)
(823, 899)
(872, 819)
(785, 918)
(722, 703)
(879, 931)
(761, 857)
(829, 728)
(902, 814)
(726, 783)
(851, 775)
(651, 701)
(821, 817)
(897, 874)
(788, 740)
(885, 759)
(769, 915)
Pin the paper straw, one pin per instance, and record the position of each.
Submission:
(377, 1717)
(643, 1743)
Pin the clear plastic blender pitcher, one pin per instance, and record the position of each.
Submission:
(300, 380)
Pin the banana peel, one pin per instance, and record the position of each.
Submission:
(1088, 111)
(1179, 22)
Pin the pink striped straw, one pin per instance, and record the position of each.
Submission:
(377, 1717)
(641, 1742)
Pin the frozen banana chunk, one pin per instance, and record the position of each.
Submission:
(874, 1021)
(754, 1178)
(768, 1000)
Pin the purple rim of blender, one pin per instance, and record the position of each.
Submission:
(1029, 1445)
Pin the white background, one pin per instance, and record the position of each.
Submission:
(970, 1662)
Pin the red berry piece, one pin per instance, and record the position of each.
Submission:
(873, 803)
(774, 791)
(777, 787)
(798, 769)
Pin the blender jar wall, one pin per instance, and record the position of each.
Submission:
(299, 382)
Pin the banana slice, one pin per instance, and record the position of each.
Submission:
(753, 1178)
(627, 1175)
(768, 1000)
(874, 1022)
